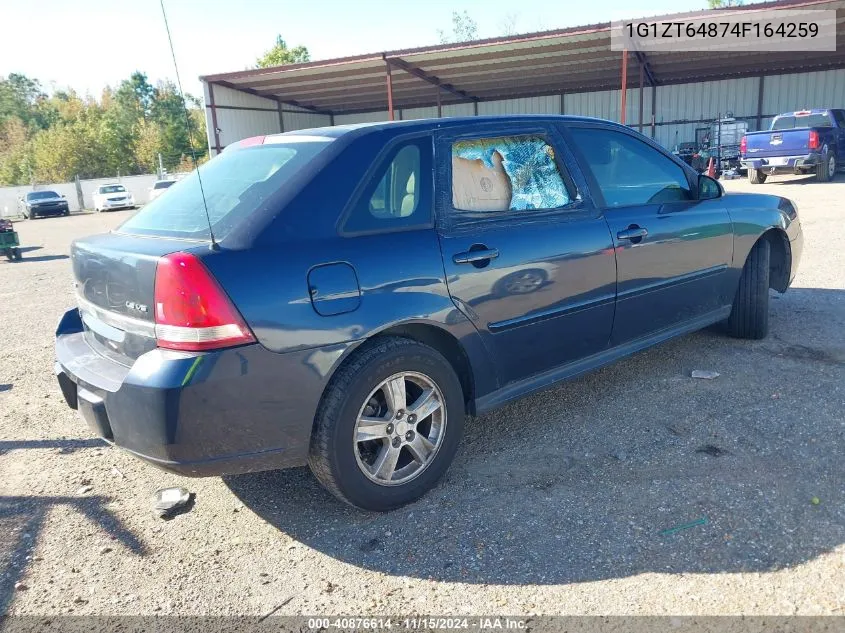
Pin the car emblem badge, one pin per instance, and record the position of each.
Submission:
(137, 307)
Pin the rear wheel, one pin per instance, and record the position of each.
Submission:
(388, 426)
(17, 254)
(749, 316)
(826, 169)
(756, 176)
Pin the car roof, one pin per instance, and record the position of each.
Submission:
(423, 125)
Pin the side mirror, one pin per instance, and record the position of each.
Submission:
(709, 188)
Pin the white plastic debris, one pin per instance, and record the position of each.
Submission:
(166, 500)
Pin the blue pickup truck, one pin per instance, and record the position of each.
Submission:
(804, 142)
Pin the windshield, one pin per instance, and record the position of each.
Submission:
(235, 183)
(163, 184)
(112, 189)
(809, 120)
(42, 195)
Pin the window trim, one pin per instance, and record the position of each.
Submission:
(574, 209)
(598, 196)
(388, 153)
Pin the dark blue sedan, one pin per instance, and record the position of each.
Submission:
(343, 297)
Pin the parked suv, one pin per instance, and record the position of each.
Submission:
(343, 296)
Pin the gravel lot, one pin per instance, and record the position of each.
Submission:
(556, 504)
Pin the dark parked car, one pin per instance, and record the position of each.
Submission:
(40, 203)
(367, 286)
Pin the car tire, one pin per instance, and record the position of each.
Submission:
(826, 169)
(749, 316)
(756, 176)
(361, 391)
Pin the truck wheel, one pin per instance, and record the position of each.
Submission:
(749, 316)
(756, 176)
(826, 169)
(17, 254)
(388, 426)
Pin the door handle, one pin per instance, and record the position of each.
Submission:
(633, 233)
(481, 255)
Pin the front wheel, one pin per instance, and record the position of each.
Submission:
(389, 425)
(749, 316)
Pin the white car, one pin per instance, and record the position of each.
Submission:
(110, 197)
(159, 188)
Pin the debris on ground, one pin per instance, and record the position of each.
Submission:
(84, 490)
(117, 472)
(19, 586)
(705, 374)
(815, 501)
(685, 526)
(168, 500)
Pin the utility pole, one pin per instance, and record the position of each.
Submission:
(160, 167)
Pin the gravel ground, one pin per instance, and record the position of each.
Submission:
(556, 504)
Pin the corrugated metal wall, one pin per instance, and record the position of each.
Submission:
(680, 109)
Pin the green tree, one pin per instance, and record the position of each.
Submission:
(280, 54)
(464, 29)
(64, 151)
(18, 97)
(720, 4)
(15, 152)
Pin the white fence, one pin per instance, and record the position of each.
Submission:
(138, 186)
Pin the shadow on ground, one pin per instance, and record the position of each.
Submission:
(22, 519)
(632, 469)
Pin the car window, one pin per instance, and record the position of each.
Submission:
(163, 184)
(224, 191)
(801, 120)
(839, 115)
(629, 171)
(507, 173)
(112, 189)
(42, 195)
(399, 193)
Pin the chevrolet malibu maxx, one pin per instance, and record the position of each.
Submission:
(343, 297)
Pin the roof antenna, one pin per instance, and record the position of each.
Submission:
(214, 245)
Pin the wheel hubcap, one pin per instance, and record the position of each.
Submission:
(399, 428)
(831, 166)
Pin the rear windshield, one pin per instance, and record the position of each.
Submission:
(163, 184)
(235, 183)
(810, 120)
(41, 195)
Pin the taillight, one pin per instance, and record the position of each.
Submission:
(743, 145)
(191, 310)
(814, 140)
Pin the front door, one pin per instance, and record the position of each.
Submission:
(672, 250)
(527, 259)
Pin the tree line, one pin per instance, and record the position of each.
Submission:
(54, 138)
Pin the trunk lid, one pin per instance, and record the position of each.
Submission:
(794, 142)
(115, 287)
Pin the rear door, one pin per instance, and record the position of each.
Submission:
(839, 132)
(672, 250)
(528, 258)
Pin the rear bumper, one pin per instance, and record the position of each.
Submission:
(226, 412)
(783, 164)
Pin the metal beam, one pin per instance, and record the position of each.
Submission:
(417, 72)
(389, 90)
(760, 101)
(624, 96)
(642, 60)
(213, 115)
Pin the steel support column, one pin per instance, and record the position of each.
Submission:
(439, 105)
(389, 91)
(642, 81)
(653, 110)
(217, 147)
(760, 102)
(624, 103)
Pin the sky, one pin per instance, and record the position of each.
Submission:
(89, 44)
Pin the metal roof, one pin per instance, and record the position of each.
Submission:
(576, 59)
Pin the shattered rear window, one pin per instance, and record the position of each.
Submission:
(509, 173)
